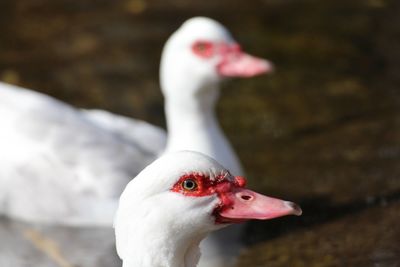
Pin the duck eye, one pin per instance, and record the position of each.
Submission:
(203, 49)
(189, 184)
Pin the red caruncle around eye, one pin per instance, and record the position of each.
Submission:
(203, 49)
(198, 184)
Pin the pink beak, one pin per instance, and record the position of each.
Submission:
(236, 63)
(243, 204)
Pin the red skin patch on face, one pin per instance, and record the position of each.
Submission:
(204, 185)
(206, 49)
(221, 185)
(229, 49)
(203, 49)
(241, 181)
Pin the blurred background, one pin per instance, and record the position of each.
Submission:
(323, 130)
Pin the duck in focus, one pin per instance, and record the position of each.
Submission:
(176, 201)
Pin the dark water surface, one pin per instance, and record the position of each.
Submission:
(324, 130)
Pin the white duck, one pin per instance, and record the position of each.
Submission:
(176, 201)
(79, 161)
(202, 53)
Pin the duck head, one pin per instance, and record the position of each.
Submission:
(176, 201)
(199, 55)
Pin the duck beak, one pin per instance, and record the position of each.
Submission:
(243, 204)
(240, 64)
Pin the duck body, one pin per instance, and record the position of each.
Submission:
(68, 157)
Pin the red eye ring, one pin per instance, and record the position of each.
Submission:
(203, 49)
(199, 185)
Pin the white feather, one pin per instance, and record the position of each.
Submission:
(64, 165)
(157, 227)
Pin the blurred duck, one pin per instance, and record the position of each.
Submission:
(78, 160)
(194, 61)
(176, 201)
(68, 166)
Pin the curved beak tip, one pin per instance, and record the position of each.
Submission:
(295, 209)
(269, 66)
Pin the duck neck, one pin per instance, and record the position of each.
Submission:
(164, 251)
(192, 125)
(191, 120)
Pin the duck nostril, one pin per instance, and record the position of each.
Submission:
(246, 197)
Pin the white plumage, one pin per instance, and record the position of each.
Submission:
(190, 84)
(63, 165)
(160, 223)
